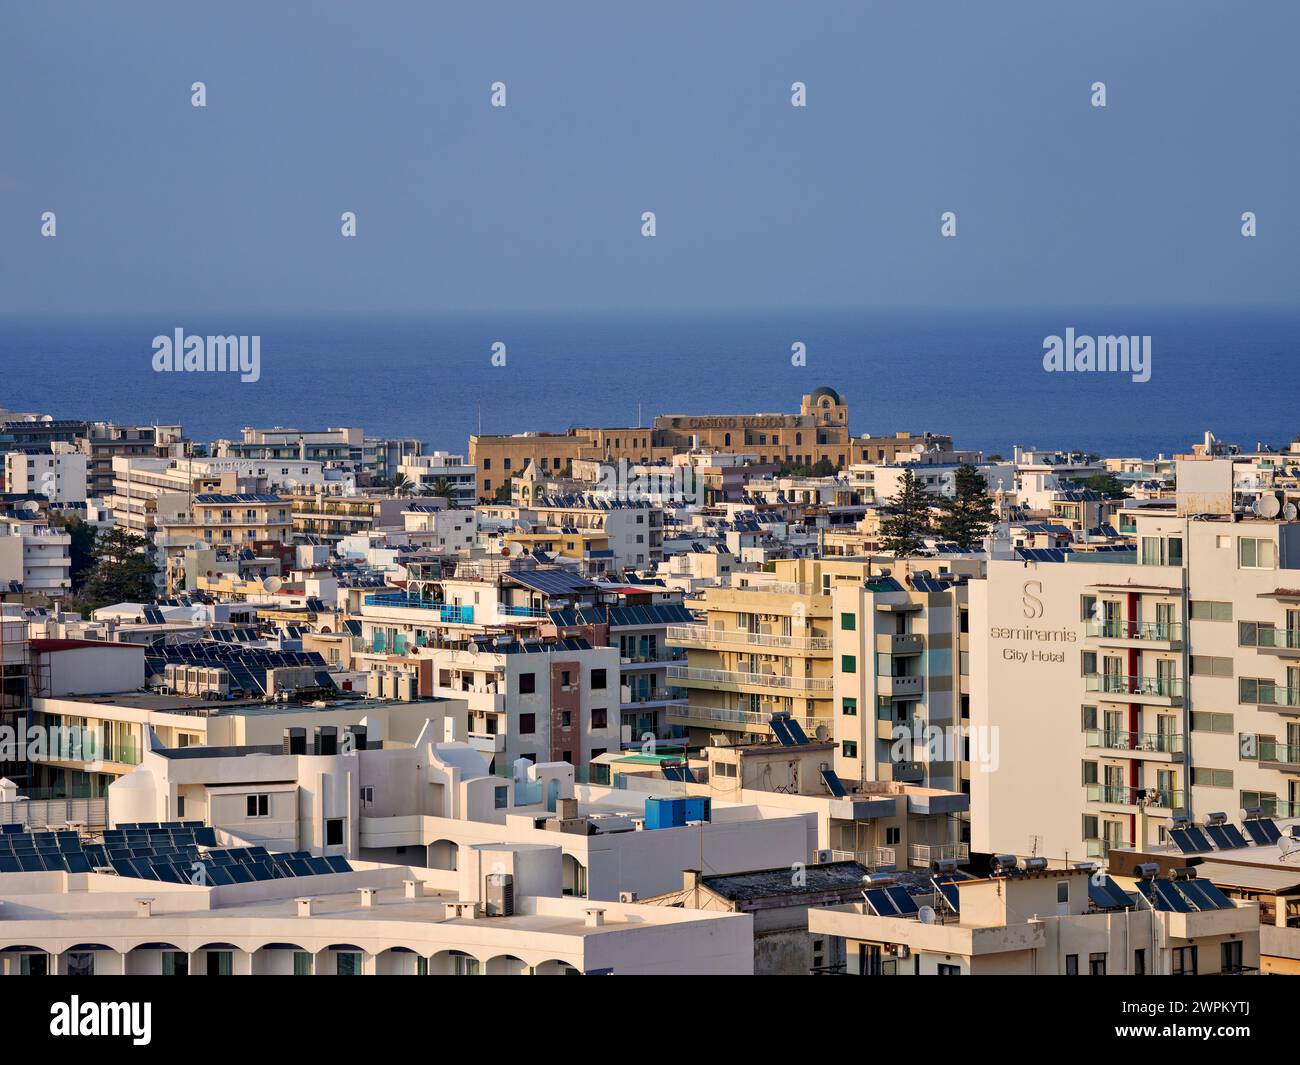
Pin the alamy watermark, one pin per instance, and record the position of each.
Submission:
(1109, 354)
(180, 353)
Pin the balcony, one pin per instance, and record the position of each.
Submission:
(1282, 642)
(1164, 691)
(447, 614)
(488, 742)
(729, 679)
(1280, 756)
(903, 772)
(901, 687)
(1167, 635)
(872, 857)
(1120, 795)
(705, 637)
(1156, 746)
(1267, 694)
(926, 854)
(739, 720)
(899, 644)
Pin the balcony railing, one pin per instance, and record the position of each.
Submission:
(1155, 742)
(1164, 687)
(453, 615)
(871, 857)
(763, 680)
(1122, 629)
(1115, 794)
(926, 853)
(752, 719)
(703, 636)
(1279, 753)
(1265, 693)
(1278, 639)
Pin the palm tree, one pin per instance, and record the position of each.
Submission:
(402, 485)
(442, 487)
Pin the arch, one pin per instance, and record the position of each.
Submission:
(556, 967)
(507, 965)
(574, 877)
(444, 854)
(454, 963)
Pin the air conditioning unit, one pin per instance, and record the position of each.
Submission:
(627, 896)
(898, 950)
(824, 856)
(500, 900)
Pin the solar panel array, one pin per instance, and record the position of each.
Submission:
(1108, 895)
(1194, 839)
(247, 666)
(1183, 896)
(945, 884)
(891, 902)
(242, 865)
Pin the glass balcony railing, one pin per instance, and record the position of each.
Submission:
(1265, 693)
(1118, 740)
(1117, 794)
(1115, 684)
(1122, 629)
(1280, 753)
(452, 615)
(1278, 639)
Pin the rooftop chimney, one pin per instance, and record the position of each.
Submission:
(414, 888)
(144, 907)
(595, 918)
(306, 906)
(367, 896)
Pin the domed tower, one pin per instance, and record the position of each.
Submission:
(826, 406)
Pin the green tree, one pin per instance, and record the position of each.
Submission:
(823, 467)
(1106, 485)
(966, 518)
(906, 517)
(402, 485)
(441, 487)
(82, 549)
(124, 569)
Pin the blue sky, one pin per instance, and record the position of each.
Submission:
(681, 108)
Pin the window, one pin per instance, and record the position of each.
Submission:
(1210, 666)
(175, 963)
(848, 622)
(334, 832)
(1212, 778)
(527, 683)
(725, 769)
(349, 963)
(893, 836)
(1072, 965)
(1097, 964)
(1162, 550)
(566, 719)
(1205, 610)
(1205, 721)
(848, 664)
(180, 807)
(597, 679)
(219, 963)
(1230, 956)
(599, 717)
(1088, 717)
(302, 963)
(1090, 826)
(81, 963)
(1254, 553)
(1184, 961)
(368, 796)
(1140, 962)
(1062, 891)
(947, 970)
(566, 678)
(527, 724)
(35, 965)
(501, 798)
(259, 806)
(850, 707)
(849, 748)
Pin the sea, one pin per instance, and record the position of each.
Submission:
(975, 375)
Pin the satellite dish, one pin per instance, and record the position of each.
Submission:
(29, 506)
(1286, 846)
(1289, 511)
(272, 584)
(926, 915)
(821, 732)
(1269, 507)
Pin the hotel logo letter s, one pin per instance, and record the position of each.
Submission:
(1033, 605)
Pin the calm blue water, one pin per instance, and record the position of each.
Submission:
(977, 376)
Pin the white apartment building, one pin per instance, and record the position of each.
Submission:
(901, 681)
(59, 473)
(426, 471)
(1157, 683)
(440, 529)
(543, 700)
(37, 557)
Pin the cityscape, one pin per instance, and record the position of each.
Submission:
(655, 490)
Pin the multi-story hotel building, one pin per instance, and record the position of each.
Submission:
(1124, 689)
(819, 431)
